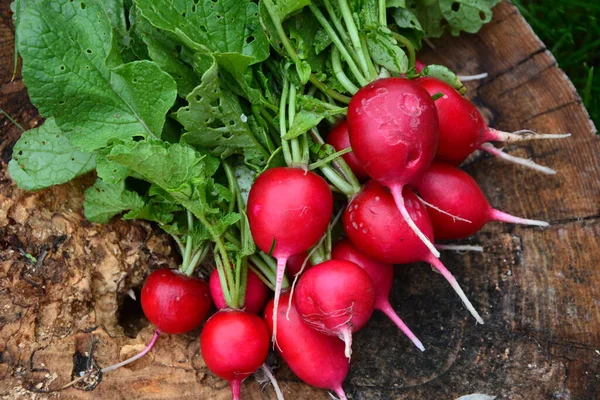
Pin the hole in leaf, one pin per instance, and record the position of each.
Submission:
(43, 142)
(198, 98)
(194, 8)
(214, 103)
(482, 15)
(82, 6)
(231, 122)
(135, 80)
(227, 135)
(20, 152)
(89, 51)
(250, 39)
(455, 6)
(62, 67)
(183, 14)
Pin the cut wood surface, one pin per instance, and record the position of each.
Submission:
(63, 280)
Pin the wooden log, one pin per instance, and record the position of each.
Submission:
(63, 280)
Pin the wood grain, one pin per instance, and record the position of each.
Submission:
(538, 290)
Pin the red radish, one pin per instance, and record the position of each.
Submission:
(335, 297)
(463, 129)
(174, 302)
(456, 204)
(256, 292)
(339, 139)
(315, 358)
(234, 344)
(419, 66)
(288, 212)
(382, 276)
(393, 128)
(374, 225)
(295, 263)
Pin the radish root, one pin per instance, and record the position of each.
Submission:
(99, 372)
(437, 264)
(346, 336)
(267, 371)
(488, 147)
(399, 199)
(466, 78)
(459, 247)
(518, 136)
(501, 216)
(281, 262)
(454, 217)
(387, 309)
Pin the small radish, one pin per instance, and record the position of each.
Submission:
(339, 139)
(456, 204)
(393, 129)
(335, 297)
(315, 358)
(234, 344)
(288, 212)
(374, 225)
(174, 302)
(382, 276)
(256, 292)
(463, 129)
(295, 263)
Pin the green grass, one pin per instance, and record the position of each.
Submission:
(571, 32)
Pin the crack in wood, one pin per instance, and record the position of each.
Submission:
(552, 110)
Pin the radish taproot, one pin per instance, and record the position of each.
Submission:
(463, 129)
(374, 225)
(288, 212)
(393, 128)
(382, 276)
(298, 263)
(174, 302)
(456, 205)
(339, 138)
(315, 358)
(234, 344)
(256, 292)
(335, 297)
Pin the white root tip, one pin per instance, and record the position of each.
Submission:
(131, 294)
(267, 371)
(488, 147)
(387, 309)
(459, 247)
(346, 336)
(501, 216)
(437, 264)
(466, 78)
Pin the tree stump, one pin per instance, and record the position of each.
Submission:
(64, 281)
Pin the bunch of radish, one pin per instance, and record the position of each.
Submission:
(405, 148)
(412, 196)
